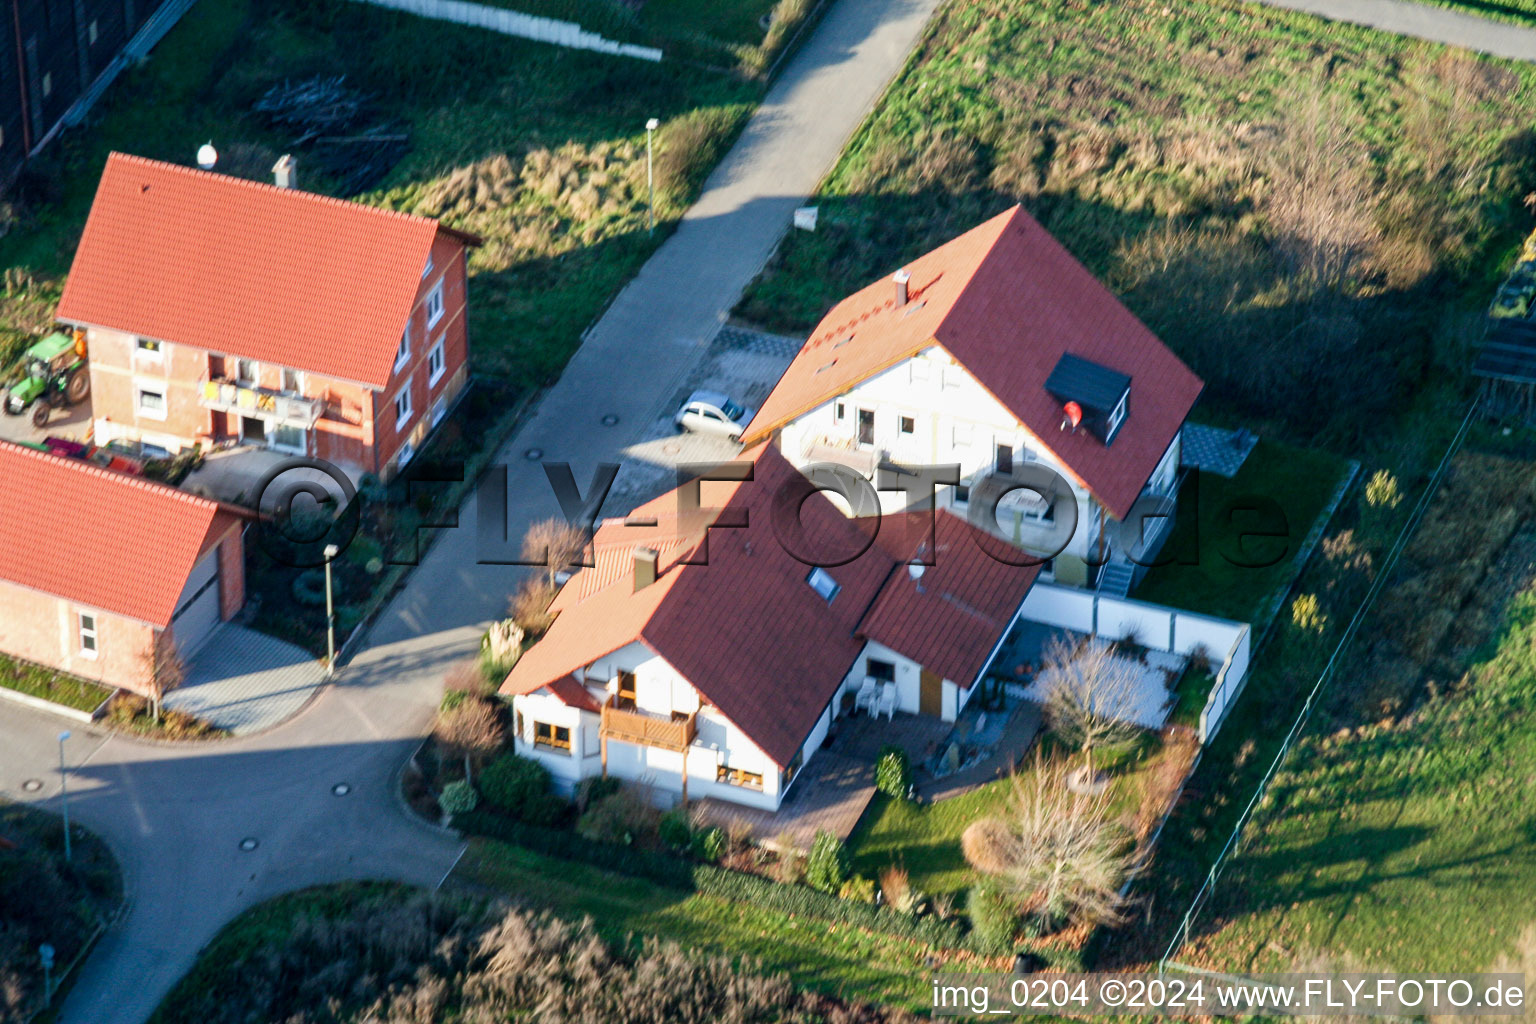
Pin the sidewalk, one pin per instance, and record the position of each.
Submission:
(1423, 21)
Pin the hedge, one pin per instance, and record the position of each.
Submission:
(715, 881)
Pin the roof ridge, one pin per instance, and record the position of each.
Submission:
(297, 193)
(125, 479)
(1008, 217)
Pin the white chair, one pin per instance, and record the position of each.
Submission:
(866, 698)
(887, 706)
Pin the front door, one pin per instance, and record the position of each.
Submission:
(930, 694)
(252, 430)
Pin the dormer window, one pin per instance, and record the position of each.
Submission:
(822, 582)
(1094, 397)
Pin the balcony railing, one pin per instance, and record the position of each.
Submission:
(646, 729)
(224, 395)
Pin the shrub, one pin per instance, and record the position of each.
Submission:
(500, 647)
(993, 917)
(308, 588)
(893, 772)
(458, 798)
(625, 817)
(859, 889)
(591, 790)
(675, 831)
(827, 868)
(451, 699)
(896, 887)
(709, 844)
(516, 786)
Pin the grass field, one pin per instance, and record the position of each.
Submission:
(1398, 833)
(925, 838)
(1190, 155)
(837, 960)
(539, 149)
(1236, 540)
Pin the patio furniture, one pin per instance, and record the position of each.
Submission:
(866, 698)
(887, 706)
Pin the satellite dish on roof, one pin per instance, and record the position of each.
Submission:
(915, 570)
(207, 156)
(1074, 416)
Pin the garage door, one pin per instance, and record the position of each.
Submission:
(197, 612)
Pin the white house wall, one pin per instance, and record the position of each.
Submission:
(908, 682)
(956, 421)
(659, 690)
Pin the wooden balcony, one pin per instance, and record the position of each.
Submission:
(647, 729)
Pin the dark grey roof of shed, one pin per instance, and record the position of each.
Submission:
(1508, 352)
(1090, 384)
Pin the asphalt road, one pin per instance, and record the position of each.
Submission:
(176, 815)
(1424, 21)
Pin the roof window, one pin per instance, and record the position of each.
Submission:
(822, 582)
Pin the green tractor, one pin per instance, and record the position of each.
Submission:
(55, 376)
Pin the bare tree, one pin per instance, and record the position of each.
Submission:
(1092, 693)
(1060, 852)
(471, 729)
(554, 544)
(163, 669)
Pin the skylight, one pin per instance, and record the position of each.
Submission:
(822, 582)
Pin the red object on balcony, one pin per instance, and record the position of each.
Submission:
(1074, 414)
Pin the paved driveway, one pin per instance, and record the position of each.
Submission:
(176, 815)
(246, 681)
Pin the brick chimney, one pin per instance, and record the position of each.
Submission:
(645, 567)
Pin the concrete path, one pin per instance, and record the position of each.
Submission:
(1423, 21)
(246, 681)
(176, 816)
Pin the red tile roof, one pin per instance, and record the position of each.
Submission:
(248, 269)
(950, 617)
(746, 629)
(104, 540)
(1006, 301)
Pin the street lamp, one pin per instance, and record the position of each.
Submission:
(46, 953)
(64, 791)
(650, 177)
(331, 551)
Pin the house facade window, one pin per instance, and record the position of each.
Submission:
(151, 402)
(247, 371)
(436, 364)
(919, 370)
(884, 671)
(625, 694)
(905, 425)
(439, 410)
(403, 407)
(149, 347)
(87, 629)
(435, 305)
(428, 268)
(407, 452)
(962, 435)
(793, 767)
(738, 777)
(403, 353)
(552, 737)
(293, 382)
(839, 412)
(822, 582)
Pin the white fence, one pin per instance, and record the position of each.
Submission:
(524, 26)
(1156, 627)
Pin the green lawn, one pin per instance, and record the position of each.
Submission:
(835, 959)
(1408, 848)
(1236, 539)
(925, 839)
(44, 898)
(52, 685)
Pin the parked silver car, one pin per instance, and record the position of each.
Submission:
(710, 412)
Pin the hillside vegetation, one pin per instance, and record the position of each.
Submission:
(1299, 208)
